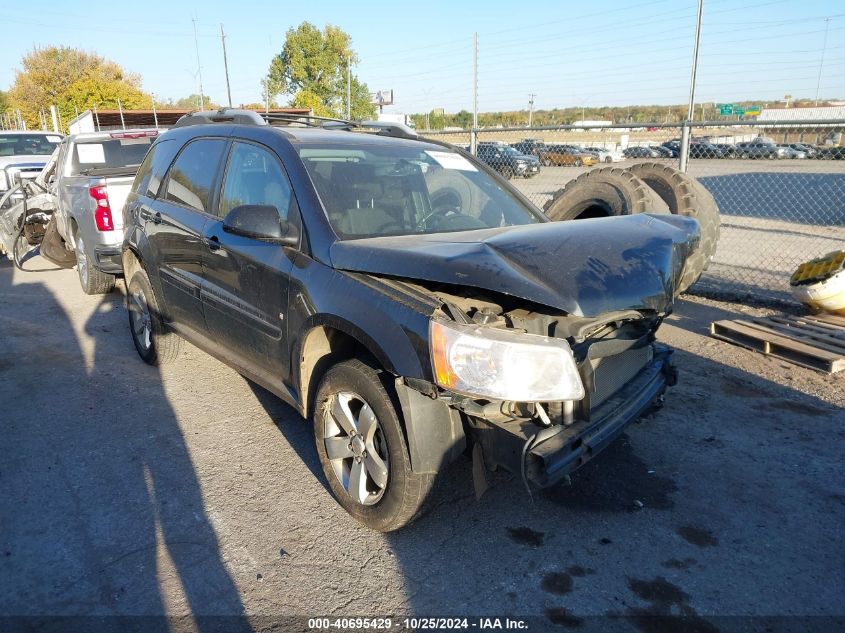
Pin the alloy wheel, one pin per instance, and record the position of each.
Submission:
(139, 318)
(356, 447)
(81, 260)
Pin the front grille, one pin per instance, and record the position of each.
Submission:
(612, 373)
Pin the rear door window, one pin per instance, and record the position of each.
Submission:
(193, 173)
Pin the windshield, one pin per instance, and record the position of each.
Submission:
(28, 144)
(109, 154)
(370, 190)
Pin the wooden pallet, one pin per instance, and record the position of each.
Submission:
(816, 341)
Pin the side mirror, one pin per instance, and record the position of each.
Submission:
(260, 222)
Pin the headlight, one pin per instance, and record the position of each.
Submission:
(503, 365)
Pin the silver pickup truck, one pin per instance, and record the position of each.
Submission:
(94, 174)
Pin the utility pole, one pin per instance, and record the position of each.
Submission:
(685, 131)
(199, 66)
(821, 61)
(530, 107)
(226, 64)
(475, 82)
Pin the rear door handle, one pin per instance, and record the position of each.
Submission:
(213, 243)
(149, 216)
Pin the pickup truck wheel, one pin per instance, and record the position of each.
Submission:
(362, 448)
(155, 345)
(93, 280)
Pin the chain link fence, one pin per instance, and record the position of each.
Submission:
(780, 187)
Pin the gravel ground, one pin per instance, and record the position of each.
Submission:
(128, 491)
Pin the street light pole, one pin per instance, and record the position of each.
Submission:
(684, 153)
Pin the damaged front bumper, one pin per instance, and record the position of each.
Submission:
(545, 455)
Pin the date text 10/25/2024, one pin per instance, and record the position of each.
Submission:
(416, 624)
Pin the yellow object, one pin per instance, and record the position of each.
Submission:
(820, 283)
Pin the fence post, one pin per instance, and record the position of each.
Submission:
(684, 153)
(473, 140)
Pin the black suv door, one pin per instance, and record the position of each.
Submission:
(245, 290)
(175, 226)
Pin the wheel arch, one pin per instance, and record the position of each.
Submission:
(327, 342)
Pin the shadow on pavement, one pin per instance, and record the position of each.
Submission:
(102, 516)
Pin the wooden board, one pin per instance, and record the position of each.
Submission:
(816, 342)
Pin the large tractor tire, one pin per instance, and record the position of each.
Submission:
(685, 196)
(604, 192)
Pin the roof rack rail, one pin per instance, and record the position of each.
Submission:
(250, 117)
(223, 115)
(306, 119)
(386, 128)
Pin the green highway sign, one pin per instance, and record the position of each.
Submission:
(739, 110)
(753, 110)
(726, 108)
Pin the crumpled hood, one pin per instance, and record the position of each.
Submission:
(585, 267)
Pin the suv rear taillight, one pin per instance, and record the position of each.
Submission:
(102, 214)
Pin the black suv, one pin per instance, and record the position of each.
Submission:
(532, 147)
(401, 296)
(508, 161)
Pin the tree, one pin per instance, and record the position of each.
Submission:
(73, 81)
(192, 102)
(312, 70)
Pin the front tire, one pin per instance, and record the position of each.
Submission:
(507, 172)
(362, 448)
(93, 280)
(153, 342)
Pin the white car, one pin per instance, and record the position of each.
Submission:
(23, 155)
(606, 155)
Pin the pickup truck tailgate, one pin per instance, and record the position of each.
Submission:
(117, 189)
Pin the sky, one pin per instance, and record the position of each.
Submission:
(613, 52)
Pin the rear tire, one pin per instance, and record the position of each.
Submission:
(507, 172)
(362, 448)
(93, 280)
(603, 192)
(154, 343)
(685, 196)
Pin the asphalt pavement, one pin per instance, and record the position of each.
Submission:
(128, 491)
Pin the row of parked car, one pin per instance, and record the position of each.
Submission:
(393, 290)
(758, 148)
(525, 158)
